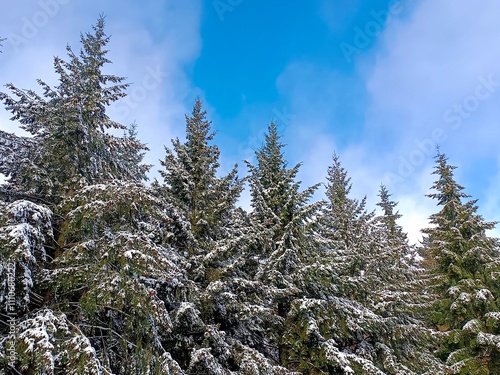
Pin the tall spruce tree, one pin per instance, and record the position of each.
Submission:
(94, 271)
(281, 212)
(283, 220)
(69, 125)
(226, 322)
(395, 263)
(462, 266)
(390, 217)
(191, 180)
(349, 325)
(348, 226)
(346, 219)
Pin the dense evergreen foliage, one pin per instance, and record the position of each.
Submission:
(101, 273)
(463, 272)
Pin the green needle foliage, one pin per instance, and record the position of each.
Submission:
(106, 274)
(462, 268)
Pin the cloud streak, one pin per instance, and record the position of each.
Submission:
(429, 78)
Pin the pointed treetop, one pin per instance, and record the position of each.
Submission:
(390, 216)
(342, 214)
(190, 175)
(198, 128)
(448, 189)
(69, 125)
(340, 185)
(270, 156)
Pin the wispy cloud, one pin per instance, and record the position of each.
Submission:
(436, 80)
(429, 77)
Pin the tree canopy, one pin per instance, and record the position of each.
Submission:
(103, 272)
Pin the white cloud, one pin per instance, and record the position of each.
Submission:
(431, 61)
(426, 67)
(425, 64)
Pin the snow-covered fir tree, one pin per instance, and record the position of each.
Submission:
(120, 233)
(69, 124)
(282, 216)
(345, 219)
(191, 181)
(395, 262)
(89, 244)
(390, 217)
(463, 267)
(347, 328)
(112, 276)
(223, 324)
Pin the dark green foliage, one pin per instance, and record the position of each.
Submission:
(462, 267)
(117, 232)
(113, 276)
(68, 124)
(191, 181)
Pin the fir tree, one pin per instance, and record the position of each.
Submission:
(346, 219)
(394, 263)
(119, 233)
(389, 216)
(462, 266)
(68, 125)
(280, 209)
(283, 218)
(347, 324)
(348, 227)
(191, 181)
(90, 243)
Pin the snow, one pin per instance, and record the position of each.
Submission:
(484, 295)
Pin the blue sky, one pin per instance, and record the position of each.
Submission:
(379, 82)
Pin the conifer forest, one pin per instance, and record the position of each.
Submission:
(106, 272)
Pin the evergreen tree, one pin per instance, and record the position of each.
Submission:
(120, 233)
(68, 125)
(395, 262)
(462, 266)
(389, 217)
(283, 220)
(115, 277)
(280, 209)
(348, 228)
(225, 322)
(191, 181)
(94, 275)
(346, 219)
(281, 212)
(348, 324)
